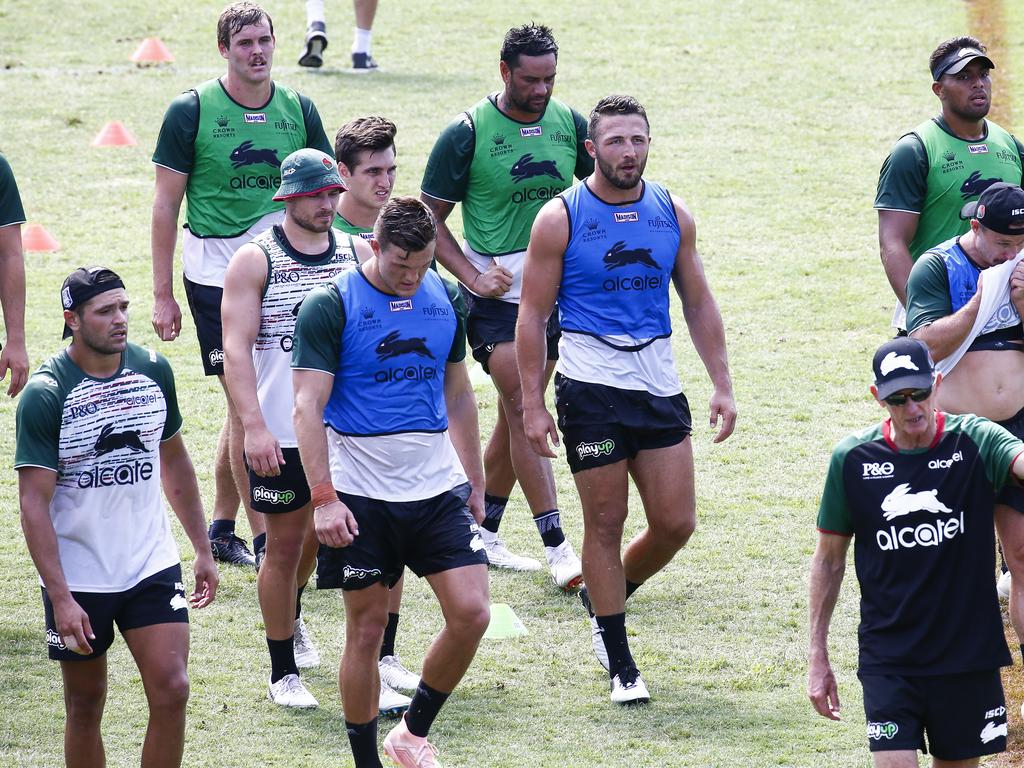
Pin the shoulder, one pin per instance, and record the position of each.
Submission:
(460, 130)
(184, 108)
(683, 214)
(146, 360)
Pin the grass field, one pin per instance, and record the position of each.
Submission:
(769, 118)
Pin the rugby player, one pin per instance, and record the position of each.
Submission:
(608, 250)
(98, 435)
(396, 478)
(502, 159)
(220, 147)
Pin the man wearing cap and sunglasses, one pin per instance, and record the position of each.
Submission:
(265, 283)
(98, 434)
(941, 164)
(918, 492)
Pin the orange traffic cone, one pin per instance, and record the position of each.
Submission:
(152, 51)
(34, 237)
(114, 134)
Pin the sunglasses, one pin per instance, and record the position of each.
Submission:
(918, 396)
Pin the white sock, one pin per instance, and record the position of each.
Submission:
(486, 535)
(314, 11)
(361, 41)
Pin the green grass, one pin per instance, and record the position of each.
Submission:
(769, 118)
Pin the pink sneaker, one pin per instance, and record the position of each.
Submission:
(409, 751)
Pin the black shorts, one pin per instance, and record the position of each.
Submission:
(964, 715)
(204, 302)
(430, 536)
(603, 425)
(157, 599)
(492, 322)
(286, 492)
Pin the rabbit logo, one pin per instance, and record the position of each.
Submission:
(892, 361)
(902, 501)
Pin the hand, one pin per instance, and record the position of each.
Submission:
(207, 579)
(14, 358)
(822, 689)
(539, 426)
(723, 405)
(263, 452)
(1016, 285)
(475, 503)
(166, 318)
(493, 283)
(335, 524)
(73, 625)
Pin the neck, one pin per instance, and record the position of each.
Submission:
(371, 273)
(608, 192)
(304, 241)
(907, 442)
(253, 95)
(969, 130)
(358, 215)
(95, 364)
(516, 114)
(968, 244)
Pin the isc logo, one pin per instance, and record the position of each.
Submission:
(877, 469)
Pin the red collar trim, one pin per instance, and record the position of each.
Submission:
(940, 424)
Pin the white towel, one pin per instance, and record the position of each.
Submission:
(996, 282)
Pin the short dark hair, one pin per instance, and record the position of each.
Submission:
(615, 105)
(528, 40)
(406, 223)
(946, 47)
(237, 16)
(364, 133)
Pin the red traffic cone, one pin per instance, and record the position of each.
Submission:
(152, 51)
(114, 134)
(34, 237)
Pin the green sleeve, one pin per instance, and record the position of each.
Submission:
(315, 135)
(927, 292)
(316, 344)
(997, 446)
(458, 351)
(11, 210)
(37, 423)
(165, 380)
(584, 162)
(903, 180)
(1020, 152)
(447, 174)
(834, 512)
(175, 146)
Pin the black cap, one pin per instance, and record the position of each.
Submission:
(84, 283)
(902, 363)
(954, 61)
(1000, 208)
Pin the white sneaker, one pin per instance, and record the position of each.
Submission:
(596, 633)
(1003, 586)
(408, 751)
(391, 703)
(396, 676)
(499, 556)
(290, 692)
(306, 654)
(566, 568)
(631, 691)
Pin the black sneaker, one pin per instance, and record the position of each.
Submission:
(260, 554)
(363, 63)
(316, 43)
(231, 549)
